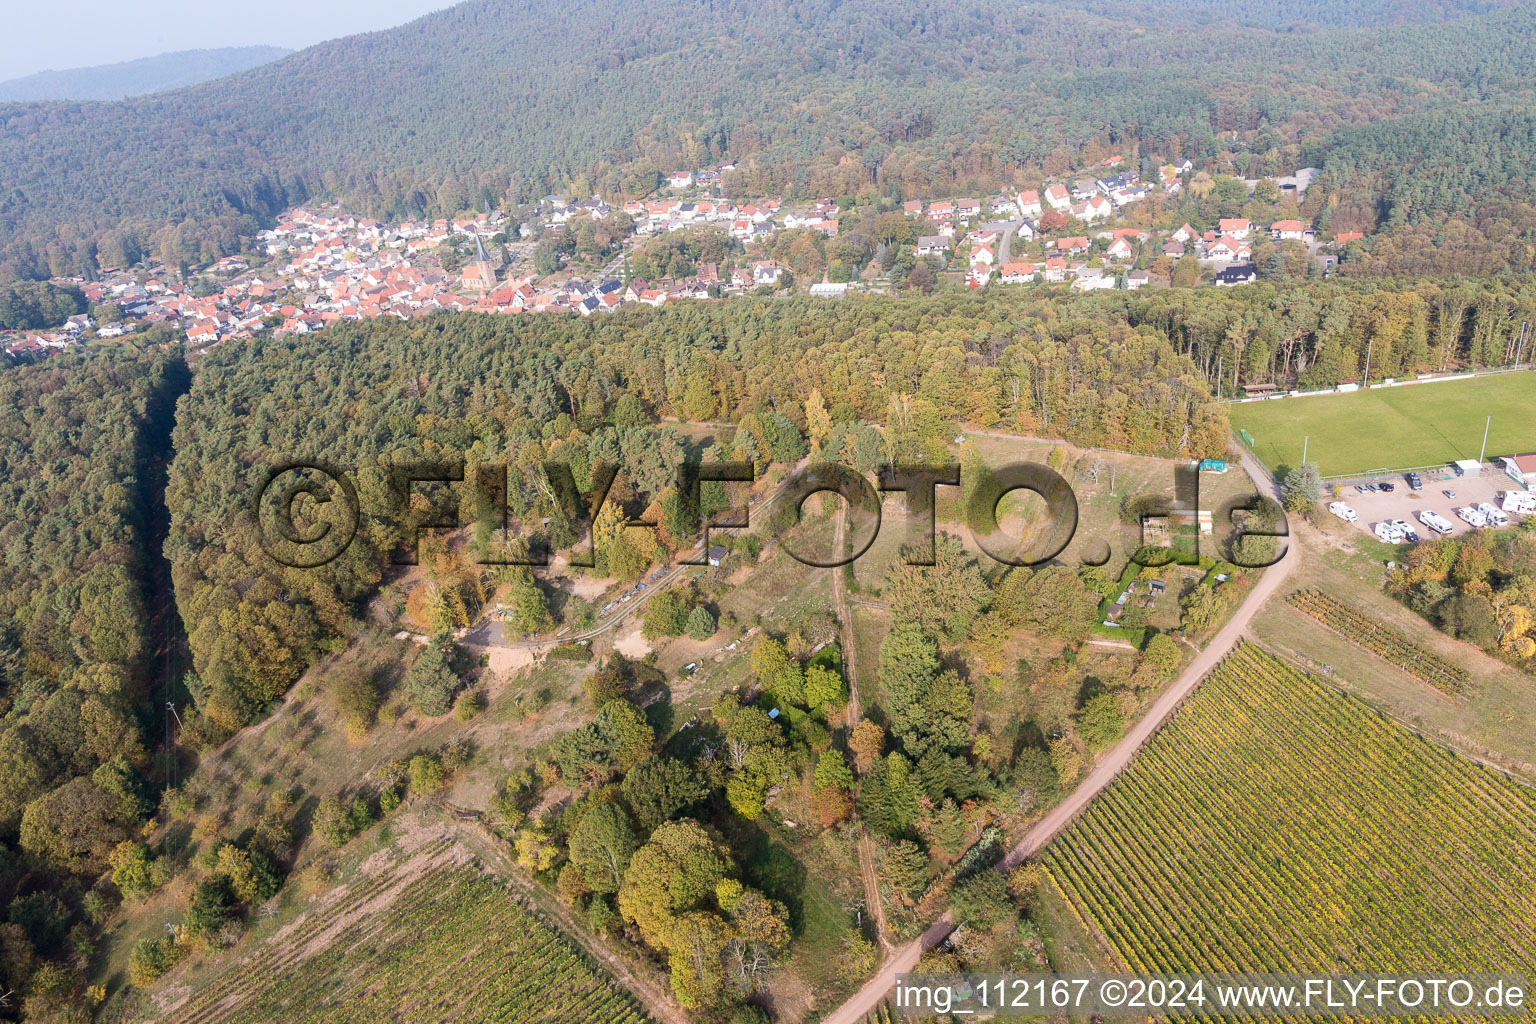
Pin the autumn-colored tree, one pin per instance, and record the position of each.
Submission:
(867, 743)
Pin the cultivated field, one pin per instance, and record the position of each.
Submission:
(420, 940)
(1395, 428)
(1277, 824)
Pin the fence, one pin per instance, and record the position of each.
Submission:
(1393, 383)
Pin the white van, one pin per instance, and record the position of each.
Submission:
(1494, 516)
(1435, 521)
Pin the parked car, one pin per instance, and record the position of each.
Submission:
(1414, 480)
(1448, 493)
(1387, 487)
(1360, 488)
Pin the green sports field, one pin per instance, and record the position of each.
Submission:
(1395, 428)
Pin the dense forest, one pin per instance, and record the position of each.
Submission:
(522, 391)
(27, 305)
(493, 103)
(74, 641)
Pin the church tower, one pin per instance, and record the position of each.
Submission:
(482, 276)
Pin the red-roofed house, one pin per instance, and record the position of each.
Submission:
(1288, 230)
(1120, 249)
(1237, 227)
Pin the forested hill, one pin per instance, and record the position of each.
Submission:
(494, 101)
(137, 77)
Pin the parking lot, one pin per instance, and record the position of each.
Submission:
(1405, 503)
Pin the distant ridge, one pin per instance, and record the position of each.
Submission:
(137, 77)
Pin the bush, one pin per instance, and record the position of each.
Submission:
(150, 959)
(665, 615)
(212, 903)
(427, 774)
(982, 900)
(701, 624)
(337, 823)
(1101, 721)
(469, 704)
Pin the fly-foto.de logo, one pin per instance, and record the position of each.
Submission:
(309, 513)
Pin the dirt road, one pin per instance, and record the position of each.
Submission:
(867, 872)
(879, 988)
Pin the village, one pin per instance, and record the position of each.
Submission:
(319, 265)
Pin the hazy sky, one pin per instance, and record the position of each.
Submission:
(80, 33)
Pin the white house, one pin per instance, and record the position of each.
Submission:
(1120, 249)
(1058, 197)
(1092, 279)
(1029, 203)
(681, 179)
(1288, 231)
(931, 245)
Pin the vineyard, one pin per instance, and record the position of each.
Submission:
(453, 944)
(1383, 641)
(1277, 824)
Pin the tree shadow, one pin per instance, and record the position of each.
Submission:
(770, 866)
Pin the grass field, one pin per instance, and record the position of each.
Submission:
(1395, 428)
(1278, 824)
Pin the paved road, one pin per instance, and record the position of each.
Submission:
(879, 988)
(1005, 245)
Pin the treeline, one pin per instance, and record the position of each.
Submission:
(421, 120)
(28, 305)
(74, 645)
(1316, 335)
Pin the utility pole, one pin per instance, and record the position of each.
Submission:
(1486, 424)
(1304, 441)
(1369, 345)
